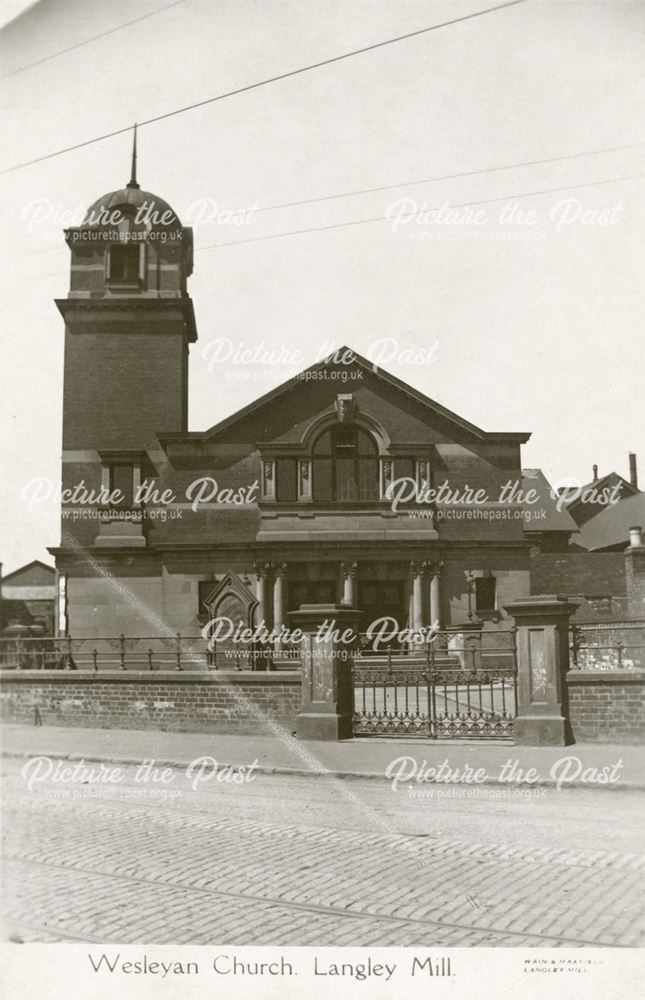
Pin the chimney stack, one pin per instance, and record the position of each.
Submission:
(635, 575)
(595, 473)
(633, 472)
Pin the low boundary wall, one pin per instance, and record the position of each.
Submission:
(218, 702)
(607, 706)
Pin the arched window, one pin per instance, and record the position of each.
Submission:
(345, 465)
(125, 257)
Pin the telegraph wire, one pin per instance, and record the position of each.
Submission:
(450, 177)
(264, 83)
(427, 180)
(383, 218)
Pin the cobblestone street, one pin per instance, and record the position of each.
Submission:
(310, 861)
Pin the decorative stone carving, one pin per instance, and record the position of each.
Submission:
(387, 471)
(345, 408)
(268, 479)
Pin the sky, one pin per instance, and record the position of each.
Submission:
(526, 317)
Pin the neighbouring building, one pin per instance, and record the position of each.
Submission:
(591, 567)
(28, 600)
(584, 508)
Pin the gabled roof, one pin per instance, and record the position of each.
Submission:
(35, 563)
(602, 481)
(555, 520)
(610, 528)
(386, 377)
(583, 510)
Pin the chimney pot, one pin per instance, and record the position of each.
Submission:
(595, 472)
(636, 538)
(633, 472)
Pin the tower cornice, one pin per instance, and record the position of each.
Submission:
(160, 316)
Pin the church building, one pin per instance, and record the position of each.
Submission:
(320, 491)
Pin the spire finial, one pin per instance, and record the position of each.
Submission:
(133, 173)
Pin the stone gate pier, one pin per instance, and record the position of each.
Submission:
(328, 643)
(542, 623)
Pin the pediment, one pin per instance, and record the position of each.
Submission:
(285, 413)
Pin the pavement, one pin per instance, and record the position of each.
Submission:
(599, 766)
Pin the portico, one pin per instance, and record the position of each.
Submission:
(408, 590)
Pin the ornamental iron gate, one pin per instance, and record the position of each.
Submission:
(456, 685)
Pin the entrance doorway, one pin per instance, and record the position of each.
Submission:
(312, 592)
(379, 599)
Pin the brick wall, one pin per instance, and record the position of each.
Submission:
(220, 702)
(578, 573)
(607, 707)
(120, 388)
(635, 576)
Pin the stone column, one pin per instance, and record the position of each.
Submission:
(542, 662)
(279, 574)
(326, 654)
(418, 570)
(260, 592)
(261, 650)
(435, 596)
(348, 573)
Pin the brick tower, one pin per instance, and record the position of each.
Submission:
(129, 322)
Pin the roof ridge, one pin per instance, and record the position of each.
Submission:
(376, 370)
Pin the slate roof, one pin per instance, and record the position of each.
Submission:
(555, 520)
(610, 528)
(28, 573)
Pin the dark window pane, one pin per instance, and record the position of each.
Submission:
(124, 263)
(346, 485)
(366, 444)
(298, 595)
(404, 467)
(323, 444)
(368, 478)
(205, 588)
(322, 479)
(312, 592)
(344, 438)
(485, 593)
(286, 483)
(121, 479)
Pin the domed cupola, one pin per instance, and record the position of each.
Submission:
(130, 243)
(148, 209)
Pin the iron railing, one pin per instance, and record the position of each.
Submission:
(607, 645)
(140, 653)
(457, 684)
